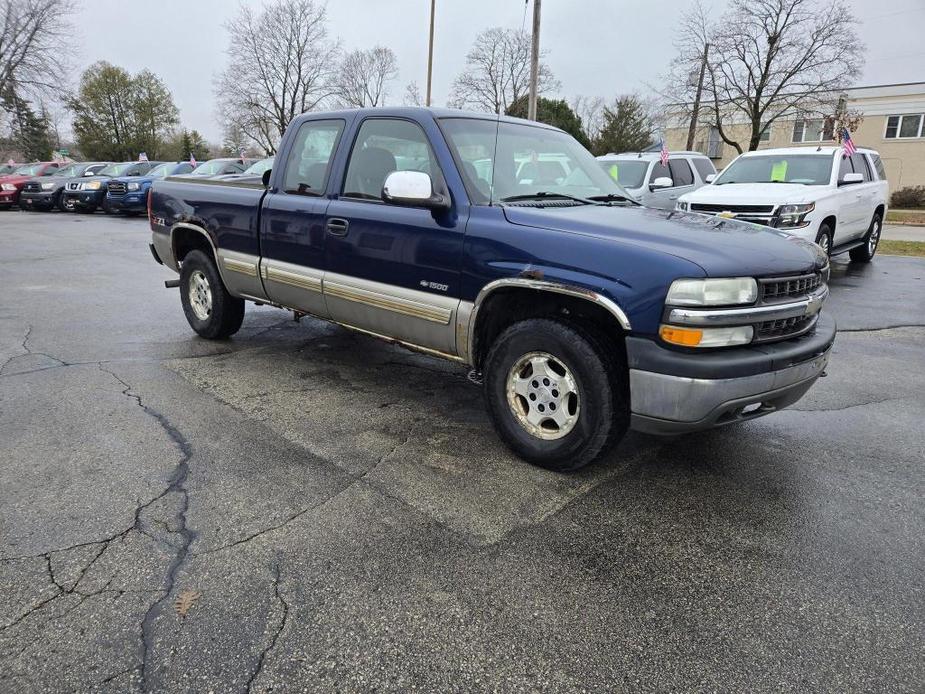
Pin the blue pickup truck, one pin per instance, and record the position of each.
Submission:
(582, 313)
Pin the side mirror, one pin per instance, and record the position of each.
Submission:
(851, 178)
(710, 178)
(266, 178)
(661, 182)
(413, 189)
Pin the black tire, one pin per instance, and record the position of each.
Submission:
(602, 393)
(825, 239)
(226, 312)
(64, 206)
(105, 206)
(865, 253)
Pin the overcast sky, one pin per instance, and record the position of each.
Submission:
(596, 47)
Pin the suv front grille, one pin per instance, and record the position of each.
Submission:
(778, 288)
(116, 189)
(756, 214)
(73, 186)
(32, 187)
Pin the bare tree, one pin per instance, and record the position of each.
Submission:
(412, 95)
(280, 65)
(590, 109)
(497, 72)
(767, 58)
(34, 40)
(364, 76)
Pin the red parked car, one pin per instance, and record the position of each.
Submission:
(11, 184)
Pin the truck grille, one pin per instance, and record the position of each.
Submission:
(756, 214)
(778, 288)
(783, 328)
(32, 187)
(116, 189)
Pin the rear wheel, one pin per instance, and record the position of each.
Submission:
(210, 310)
(556, 396)
(824, 239)
(865, 253)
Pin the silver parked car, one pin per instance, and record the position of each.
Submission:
(651, 183)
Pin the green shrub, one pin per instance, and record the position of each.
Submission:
(910, 196)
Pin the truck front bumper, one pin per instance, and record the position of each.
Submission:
(130, 202)
(673, 392)
(85, 199)
(44, 200)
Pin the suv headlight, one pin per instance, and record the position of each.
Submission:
(682, 206)
(713, 292)
(8, 186)
(794, 216)
(134, 186)
(91, 185)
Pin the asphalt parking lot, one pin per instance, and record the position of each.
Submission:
(306, 509)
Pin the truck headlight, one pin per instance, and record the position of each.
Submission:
(134, 186)
(794, 216)
(713, 292)
(682, 206)
(706, 337)
(48, 186)
(92, 185)
(8, 186)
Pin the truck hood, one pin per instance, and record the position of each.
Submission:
(722, 247)
(18, 179)
(753, 194)
(131, 179)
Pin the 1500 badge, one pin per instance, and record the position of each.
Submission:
(435, 286)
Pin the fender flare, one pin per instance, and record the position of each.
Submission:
(199, 230)
(542, 286)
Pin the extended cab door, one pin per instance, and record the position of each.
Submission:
(392, 270)
(293, 217)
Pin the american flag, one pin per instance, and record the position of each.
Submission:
(847, 143)
(192, 159)
(663, 155)
(143, 156)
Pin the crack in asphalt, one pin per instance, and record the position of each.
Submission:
(176, 485)
(276, 634)
(844, 407)
(28, 350)
(876, 330)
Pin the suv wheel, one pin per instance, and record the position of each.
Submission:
(556, 396)
(865, 253)
(824, 238)
(210, 310)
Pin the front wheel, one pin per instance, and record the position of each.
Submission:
(824, 239)
(865, 253)
(210, 309)
(556, 396)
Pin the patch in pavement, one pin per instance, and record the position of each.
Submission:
(412, 426)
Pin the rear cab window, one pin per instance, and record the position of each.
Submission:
(704, 167)
(310, 158)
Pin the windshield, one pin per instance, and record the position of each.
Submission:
(115, 169)
(209, 168)
(70, 171)
(502, 160)
(257, 168)
(29, 170)
(161, 170)
(629, 173)
(808, 169)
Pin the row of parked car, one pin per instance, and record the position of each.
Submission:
(114, 187)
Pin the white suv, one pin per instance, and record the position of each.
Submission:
(651, 183)
(816, 193)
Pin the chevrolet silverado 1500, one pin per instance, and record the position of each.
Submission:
(583, 313)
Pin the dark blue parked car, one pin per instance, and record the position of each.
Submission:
(129, 194)
(583, 313)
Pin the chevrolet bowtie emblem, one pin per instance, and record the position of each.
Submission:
(726, 214)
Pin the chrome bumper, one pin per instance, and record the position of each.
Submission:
(665, 404)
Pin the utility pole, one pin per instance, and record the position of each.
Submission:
(534, 61)
(430, 51)
(703, 69)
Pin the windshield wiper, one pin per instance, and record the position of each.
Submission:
(612, 197)
(547, 195)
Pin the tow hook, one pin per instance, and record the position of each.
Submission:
(475, 377)
(172, 284)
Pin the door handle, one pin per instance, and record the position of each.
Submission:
(672, 197)
(337, 226)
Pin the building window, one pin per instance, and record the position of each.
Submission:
(814, 130)
(909, 125)
(714, 144)
(765, 133)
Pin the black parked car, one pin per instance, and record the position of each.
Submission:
(87, 194)
(47, 192)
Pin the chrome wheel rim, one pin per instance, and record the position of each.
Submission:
(200, 295)
(824, 243)
(543, 395)
(874, 237)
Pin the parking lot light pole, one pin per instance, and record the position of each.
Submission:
(430, 52)
(534, 61)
